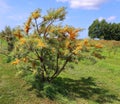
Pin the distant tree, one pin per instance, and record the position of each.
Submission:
(7, 35)
(115, 31)
(104, 30)
(94, 29)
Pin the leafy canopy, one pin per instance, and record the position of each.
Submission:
(104, 30)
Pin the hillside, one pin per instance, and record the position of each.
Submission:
(88, 83)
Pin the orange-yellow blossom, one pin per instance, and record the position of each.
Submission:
(25, 59)
(37, 39)
(67, 43)
(51, 30)
(99, 45)
(72, 33)
(18, 34)
(65, 28)
(40, 44)
(85, 42)
(53, 50)
(27, 25)
(66, 52)
(22, 41)
(36, 14)
(78, 48)
(16, 62)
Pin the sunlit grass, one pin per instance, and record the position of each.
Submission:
(87, 83)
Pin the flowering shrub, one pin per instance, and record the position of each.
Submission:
(45, 48)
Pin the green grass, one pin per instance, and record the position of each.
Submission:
(85, 84)
(14, 90)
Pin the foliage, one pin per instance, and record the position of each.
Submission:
(7, 35)
(44, 49)
(104, 30)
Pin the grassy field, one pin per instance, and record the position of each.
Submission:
(85, 84)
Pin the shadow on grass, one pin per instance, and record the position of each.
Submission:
(84, 88)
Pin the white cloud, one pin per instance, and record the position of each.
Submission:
(62, 0)
(109, 19)
(85, 4)
(100, 18)
(4, 7)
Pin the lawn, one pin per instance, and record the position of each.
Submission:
(87, 83)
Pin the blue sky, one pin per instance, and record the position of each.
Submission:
(80, 13)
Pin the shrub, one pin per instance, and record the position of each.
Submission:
(44, 49)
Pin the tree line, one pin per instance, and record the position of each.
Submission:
(98, 29)
(104, 30)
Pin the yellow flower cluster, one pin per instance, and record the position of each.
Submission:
(66, 52)
(36, 14)
(77, 50)
(27, 25)
(85, 42)
(63, 30)
(67, 43)
(79, 47)
(25, 59)
(72, 32)
(59, 10)
(16, 62)
(39, 42)
(18, 34)
(99, 45)
(22, 41)
(53, 50)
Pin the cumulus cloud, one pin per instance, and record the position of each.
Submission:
(85, 4)
(62, 0)
(4, 7)
(101, 18)
(109, 19)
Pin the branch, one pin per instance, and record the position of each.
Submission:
(3, 53)
(37, 26)
(47, 28)
(57, 68)
(61, 69)
(42, 61)
(37, 53)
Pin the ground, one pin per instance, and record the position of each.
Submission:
(87, 83)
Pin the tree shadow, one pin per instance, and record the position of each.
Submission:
(84, 88)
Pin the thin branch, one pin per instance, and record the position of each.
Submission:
(47, 28)
(4, 53)
(57, 68)
(42, 61)
(37, 53)
(37, 26)
(32, 57)
(44, 67)
(61, 69)
(57, 61)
